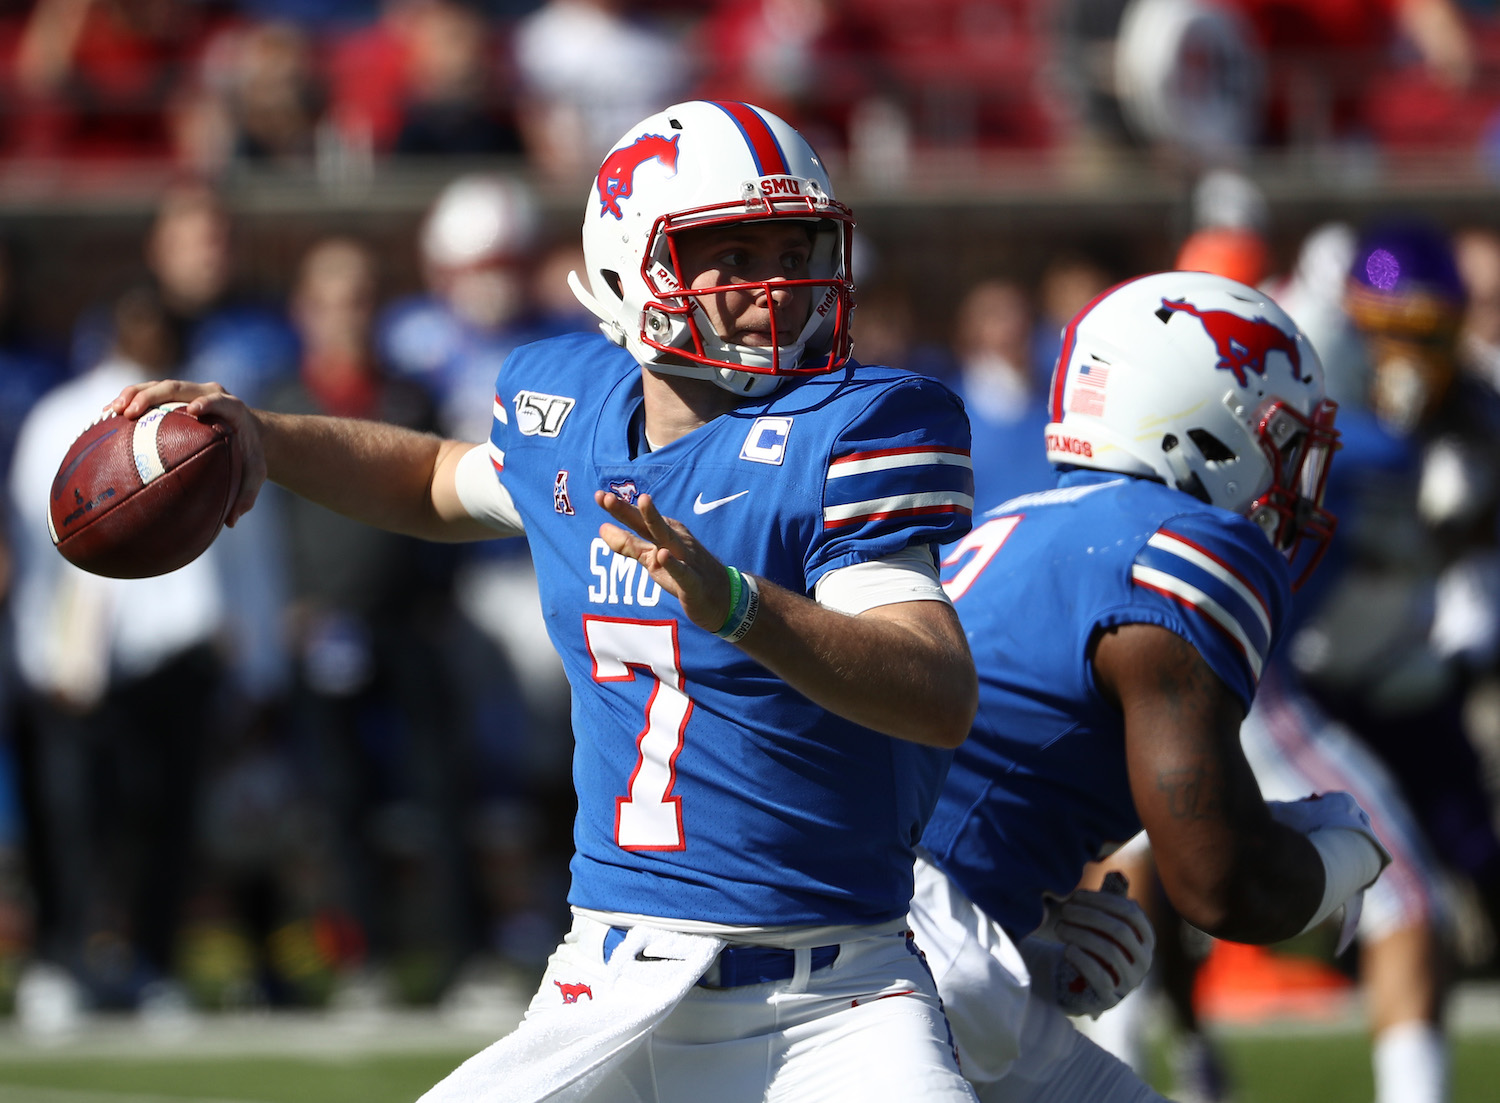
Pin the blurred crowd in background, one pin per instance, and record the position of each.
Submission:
(209, 84)
(325, 765)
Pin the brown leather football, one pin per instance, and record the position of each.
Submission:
(139, 498)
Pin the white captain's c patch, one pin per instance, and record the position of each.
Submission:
(766, 441)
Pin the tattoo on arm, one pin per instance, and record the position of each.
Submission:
(1193, 793)
(1194, 790)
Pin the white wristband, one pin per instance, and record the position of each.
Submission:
(1350, 863)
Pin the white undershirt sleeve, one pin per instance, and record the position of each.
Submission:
(483, 495)
(909, 575)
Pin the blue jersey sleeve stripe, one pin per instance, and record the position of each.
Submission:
(895, 482)
(497, 454)
(1232, 599)
(887, 459)
(1193, 598)
(1222, 596)
(898, 505)
(1217, 566)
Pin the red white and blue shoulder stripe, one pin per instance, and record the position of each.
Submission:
(498, 419)
(1227, 575)
(900, 473)
(904, 482)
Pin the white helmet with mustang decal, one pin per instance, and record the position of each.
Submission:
(709, 163)
(1208, 386)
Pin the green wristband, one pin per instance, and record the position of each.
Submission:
(744, 604)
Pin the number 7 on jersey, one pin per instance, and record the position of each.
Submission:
(649, 817)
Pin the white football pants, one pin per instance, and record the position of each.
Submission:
(866, 1029)
(1014, 1047)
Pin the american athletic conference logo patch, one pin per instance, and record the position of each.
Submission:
(1242, 343)
(616, 179)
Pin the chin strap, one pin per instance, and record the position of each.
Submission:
(607, 324)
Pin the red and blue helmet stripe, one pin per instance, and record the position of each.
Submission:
(760, 138)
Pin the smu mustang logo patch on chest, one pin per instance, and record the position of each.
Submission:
(625, 490)
(1243, 343)
(616, 179)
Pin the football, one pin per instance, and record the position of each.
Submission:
(139, 498)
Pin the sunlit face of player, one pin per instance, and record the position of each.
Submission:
(741, 259)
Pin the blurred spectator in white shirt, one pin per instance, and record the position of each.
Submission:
(588, 70)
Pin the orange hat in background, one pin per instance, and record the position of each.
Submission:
(1226, 251)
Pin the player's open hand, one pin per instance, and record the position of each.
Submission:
(670, 553)
(209, 402)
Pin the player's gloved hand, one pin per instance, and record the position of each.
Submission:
(1353, 856)
(1092, 950)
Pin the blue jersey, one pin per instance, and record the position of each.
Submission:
(708, 789)
(1041, 788)
(1009, 456)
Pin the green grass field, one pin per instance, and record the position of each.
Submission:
(1336, 1069)
(368, 1078)
(1322, 1068)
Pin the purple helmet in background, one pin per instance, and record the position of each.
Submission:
(1406, 297)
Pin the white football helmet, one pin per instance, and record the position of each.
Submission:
(1208, 386)
(707, 163)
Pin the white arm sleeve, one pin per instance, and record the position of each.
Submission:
(909, 575)
(1340, 831)
(483, 495)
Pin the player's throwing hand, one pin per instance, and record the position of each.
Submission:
(211, 401)
(677, 562)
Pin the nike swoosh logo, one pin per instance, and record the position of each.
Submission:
(66, 473)
(700, 506)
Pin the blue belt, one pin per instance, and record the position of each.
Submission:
(737, 966)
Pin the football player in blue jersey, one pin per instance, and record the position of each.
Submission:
(765, 701)
(1120, 623)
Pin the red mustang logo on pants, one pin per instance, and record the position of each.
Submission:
(616, 179)
(1243, 343)
(571, 992)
